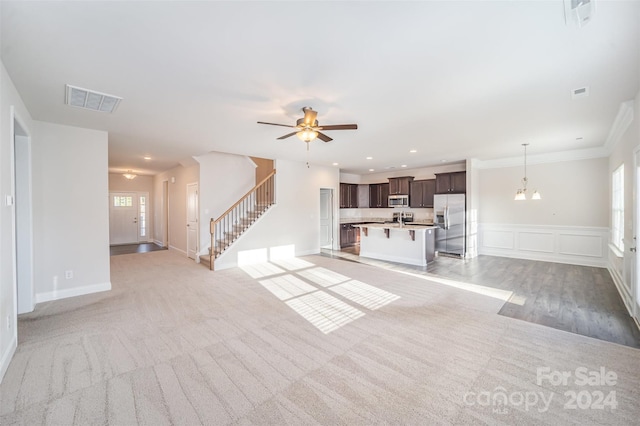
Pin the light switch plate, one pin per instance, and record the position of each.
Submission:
(8, 200)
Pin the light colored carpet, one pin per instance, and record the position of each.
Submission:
(307, 341)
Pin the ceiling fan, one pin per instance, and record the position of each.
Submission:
(307, 128)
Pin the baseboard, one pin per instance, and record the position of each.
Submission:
(72, 292)
(8, 355)
(177, 249)
(622, 289)
(158, 243)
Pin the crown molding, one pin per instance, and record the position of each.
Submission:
(552, 157)
(623, 120)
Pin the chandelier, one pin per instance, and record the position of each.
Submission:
(521, 194)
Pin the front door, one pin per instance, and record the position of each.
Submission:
(326, 216)
(192, 220)
(123, 218)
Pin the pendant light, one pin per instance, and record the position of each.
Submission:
(129, 175)
(521, 194)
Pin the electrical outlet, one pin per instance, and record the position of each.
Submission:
(8, 322)
(68, 274)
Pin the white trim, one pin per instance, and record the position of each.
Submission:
(552, 157)
(622, 290)
(8, 355)
(621, 123)
(72, 292)
(575, 245)
(177, 249)
(157, 242)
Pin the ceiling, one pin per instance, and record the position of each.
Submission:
(451, 80)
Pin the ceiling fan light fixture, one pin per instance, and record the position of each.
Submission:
(307, 135)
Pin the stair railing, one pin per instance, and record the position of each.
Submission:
(228, 227)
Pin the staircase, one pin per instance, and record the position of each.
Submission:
(238, 218)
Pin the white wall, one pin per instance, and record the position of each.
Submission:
(178, 179)
(295, 219)
(569, 224)
(224, 178)
(71, 213)
(620, 264)
(9, 101)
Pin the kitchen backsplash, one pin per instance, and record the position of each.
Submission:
(418, 214)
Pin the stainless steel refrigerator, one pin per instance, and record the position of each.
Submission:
(449, 217)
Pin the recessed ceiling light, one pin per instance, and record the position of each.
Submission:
(371, 170)
(404, 165)
(369, 158)
(146, 157)
(413, 151)
(335, 164)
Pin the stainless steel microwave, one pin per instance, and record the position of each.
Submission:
(398, 201)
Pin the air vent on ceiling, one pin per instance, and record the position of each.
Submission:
(581, 92)
(90, 99)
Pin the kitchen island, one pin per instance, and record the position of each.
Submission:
(410, 244)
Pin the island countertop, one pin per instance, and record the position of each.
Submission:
(408, 226)
(410, 244)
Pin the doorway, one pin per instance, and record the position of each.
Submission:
(192, 221)
(23, 215)
(326, 218)
(128, 217)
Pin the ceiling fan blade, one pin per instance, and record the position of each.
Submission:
(276, 124)
(324, 137)
(310, 116)
(339, 127)
(287, 136)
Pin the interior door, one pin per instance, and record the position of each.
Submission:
(326, 216)
(192, 220)
(123, 218)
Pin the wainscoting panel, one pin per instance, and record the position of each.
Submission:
(576, 245)
(536, 241)
(500, 240)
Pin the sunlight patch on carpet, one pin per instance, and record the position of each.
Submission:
(364, 294)
(287, 286)
(324, 311)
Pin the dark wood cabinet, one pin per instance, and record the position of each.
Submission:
(421, 194)
(349, 235)
(400, 185)
(379, 195)
(451, 183)
(348, 196)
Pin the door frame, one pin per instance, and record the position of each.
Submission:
(332, 216)
(137, 195)
(22, 227)
(197, 214)
(635, 255)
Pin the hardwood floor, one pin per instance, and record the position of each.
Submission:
(577, 299)
(134, 248)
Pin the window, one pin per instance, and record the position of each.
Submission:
(143, 216)
(122, 201)
(617, 208)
